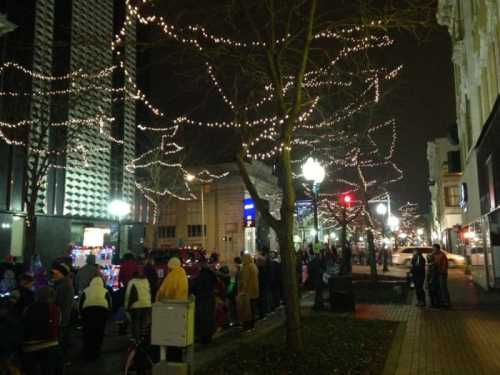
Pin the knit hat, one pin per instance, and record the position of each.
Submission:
(174, 262)
(62, 268)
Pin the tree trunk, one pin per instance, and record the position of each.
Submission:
(154, 244)
(29, 238)
(290, 290)
(371, 255)
(288, 257)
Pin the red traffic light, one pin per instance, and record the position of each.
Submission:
(346, 199)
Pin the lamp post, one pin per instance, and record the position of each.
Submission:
(119, 209)
(190, 178)
(313, 171)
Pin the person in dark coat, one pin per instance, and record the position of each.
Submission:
(204, 291)
(65, 293)
(265, 268)
(41, 347)
(24, 295)
(276, 280)
(85, 274)
(433, 281)
(11, 329)
(152, 276)
(418, 275)
(316, 269)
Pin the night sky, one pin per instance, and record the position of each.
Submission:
(424, 106)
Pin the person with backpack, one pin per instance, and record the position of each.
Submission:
(41, 322)
(95, 305)
(138, 305)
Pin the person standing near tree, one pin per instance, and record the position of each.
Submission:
(204, 291)
(95, 305)
(65, 293)
(441, 268)
(248, 292)
(418, 275)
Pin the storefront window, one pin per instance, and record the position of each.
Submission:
(452, 196)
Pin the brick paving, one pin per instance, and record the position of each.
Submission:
(462, 340)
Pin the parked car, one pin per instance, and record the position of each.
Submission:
(402, 257)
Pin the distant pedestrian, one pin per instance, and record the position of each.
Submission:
(265, 278)
(418, 275)
(41, 348)
(138, 305)
(64, 298)
(95, 305)
(85, 274)
(441, 268)
(316, 269)
(204, 290)
(248, 292)
(276, 280)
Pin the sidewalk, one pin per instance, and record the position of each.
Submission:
(463, 340)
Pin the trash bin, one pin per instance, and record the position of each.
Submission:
(173, 326)
(341, 294)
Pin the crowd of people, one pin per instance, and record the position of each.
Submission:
(42, 309)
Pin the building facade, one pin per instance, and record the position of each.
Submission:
(474, 28)
(58, 38)
(224, 211)
(444, 186)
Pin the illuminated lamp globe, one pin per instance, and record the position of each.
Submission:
(119, 208)
(313, 171)
(393, 222)
(189, 177)
(381, 209)
(420, 231)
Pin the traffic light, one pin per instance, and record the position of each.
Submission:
(346, 200)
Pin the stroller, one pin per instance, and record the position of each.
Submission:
(139, 358)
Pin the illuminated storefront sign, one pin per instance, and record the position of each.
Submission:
(249, 212)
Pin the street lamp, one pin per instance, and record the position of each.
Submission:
(190, 178)
(381, 209)
(313, 171)
(119, 209)
(393, 223)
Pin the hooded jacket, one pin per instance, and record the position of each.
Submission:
(175, 285)
(95, 295)
(137, 294)
(249, 278)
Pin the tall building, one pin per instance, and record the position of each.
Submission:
(474, 28)
(223, 218)
(444, 186)
(58, 38)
